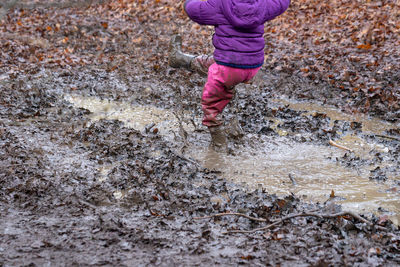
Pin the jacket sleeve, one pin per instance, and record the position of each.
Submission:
(275, 8)
(204, 12)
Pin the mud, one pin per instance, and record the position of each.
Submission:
(312, 168)
(79, 190)
(105, 166)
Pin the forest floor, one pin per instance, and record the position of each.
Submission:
(79, 191)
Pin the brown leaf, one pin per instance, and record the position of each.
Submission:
(248, 257)
(281, 203)
(383, 220)
(137, 40)
(364, 46)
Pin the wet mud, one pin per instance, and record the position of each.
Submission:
(81, 189)
(105, 165)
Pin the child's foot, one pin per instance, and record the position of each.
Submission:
(218, 139)
(234, 130)
(176, 58)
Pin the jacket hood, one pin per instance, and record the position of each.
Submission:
(244, 13)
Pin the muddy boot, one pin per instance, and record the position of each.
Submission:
(234, 130)
(218, 139)
(177, 59)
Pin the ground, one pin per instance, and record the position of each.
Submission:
(59, 207)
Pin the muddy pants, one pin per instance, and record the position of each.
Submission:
(219, 88)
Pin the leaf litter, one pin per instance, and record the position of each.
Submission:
(55, 209)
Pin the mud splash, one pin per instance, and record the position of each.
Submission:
(275, 163)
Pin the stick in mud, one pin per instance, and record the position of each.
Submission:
(292, 179)
(339, 146)
(231, 214)
(387, 137)
(302, 214)
(149, 126)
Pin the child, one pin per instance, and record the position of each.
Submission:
(239, 51)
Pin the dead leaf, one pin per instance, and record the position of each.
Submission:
(364, 46)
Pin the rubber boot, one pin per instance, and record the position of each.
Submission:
(218, 138)
(234, 130)
(176, 58)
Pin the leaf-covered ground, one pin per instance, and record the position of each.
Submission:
(348, 47)
(58, 206)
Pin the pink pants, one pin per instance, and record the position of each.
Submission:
(219, 88)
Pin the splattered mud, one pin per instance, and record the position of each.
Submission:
(105, 166)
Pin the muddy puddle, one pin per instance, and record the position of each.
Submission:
(369, 125)
(277, 163)
(140, 118)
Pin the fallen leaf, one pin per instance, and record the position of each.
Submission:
(364, 46)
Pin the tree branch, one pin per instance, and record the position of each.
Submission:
(305, 214)
(339, 146)
(302, 214)
(231, 214)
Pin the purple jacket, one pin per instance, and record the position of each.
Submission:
(239, 27)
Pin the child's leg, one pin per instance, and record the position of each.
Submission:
(200, 64)
(178, 59)
(218, 91)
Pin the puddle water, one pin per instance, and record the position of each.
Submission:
(309, 171)
(281, 166)
(369, 125)
(136, 117)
